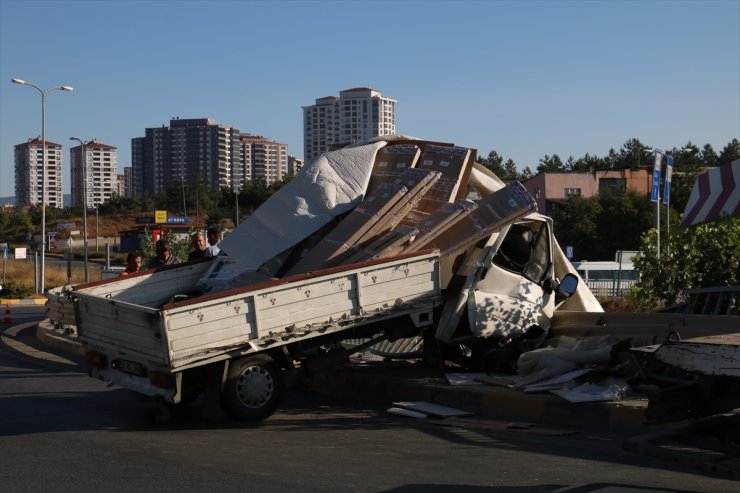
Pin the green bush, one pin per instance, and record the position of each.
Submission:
(11, 290)
(703, 256)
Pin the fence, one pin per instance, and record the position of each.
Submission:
(610, 288)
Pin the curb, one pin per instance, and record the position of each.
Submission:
(366, 384)
(54, 339)
(25, 301)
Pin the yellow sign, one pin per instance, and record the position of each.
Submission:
(160, 217)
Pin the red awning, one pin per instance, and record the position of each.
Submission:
(716, 193)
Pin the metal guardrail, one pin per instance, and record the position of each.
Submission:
(709, 301)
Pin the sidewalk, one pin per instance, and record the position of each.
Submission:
(385, 382)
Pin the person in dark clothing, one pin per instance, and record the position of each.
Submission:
(164, 255)
(199, 247)
(133, 263)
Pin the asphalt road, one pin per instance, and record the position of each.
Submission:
(63, 431)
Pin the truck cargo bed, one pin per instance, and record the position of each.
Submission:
(142, 324)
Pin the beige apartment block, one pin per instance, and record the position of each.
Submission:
(94, 173)
(29, 173)
(549, 189)
(358, 114)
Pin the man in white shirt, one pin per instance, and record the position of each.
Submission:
(213, 239)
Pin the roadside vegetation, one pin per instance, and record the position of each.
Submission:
(19, 278)
(704, 256)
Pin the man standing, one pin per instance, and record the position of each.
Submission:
(199, 247)
(213, 248)
(164, 255)
(133, 263)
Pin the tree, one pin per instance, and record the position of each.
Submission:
(494, 163)
(510, 171)
(632, 154)
(597, 227)
(624, 217)
(730, 152)
(575, 224)
(707, 255)
(550, 164)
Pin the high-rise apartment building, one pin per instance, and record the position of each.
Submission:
(263, 159)
(98, 166)
(357, 114)
(120, 185)
(29, 173)
(295, 164)
(128, 182)
(188, 148)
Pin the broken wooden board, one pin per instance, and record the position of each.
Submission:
(493, 212)
(399, 411)
(391, 160)
(432, 409)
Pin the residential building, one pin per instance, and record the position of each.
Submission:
(357, 114)
(263, 159)
(99, 168)
(295, 164)
(185, 150)
(121, 185)
(550, 189)
(29, 173)
(128, 182)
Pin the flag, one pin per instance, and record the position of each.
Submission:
(667, 186)
(655, 195)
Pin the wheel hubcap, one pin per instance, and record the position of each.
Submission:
(255, 387)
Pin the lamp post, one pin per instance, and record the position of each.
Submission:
(235, 184)
(83, 163)
(42, 93)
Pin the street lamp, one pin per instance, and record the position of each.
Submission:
(42, 93)
(83, 163)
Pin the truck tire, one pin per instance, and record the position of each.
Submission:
(253, 388)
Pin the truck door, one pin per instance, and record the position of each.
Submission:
(510, 297)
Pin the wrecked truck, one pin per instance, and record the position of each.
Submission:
(382, 240)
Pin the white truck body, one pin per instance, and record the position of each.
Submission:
(218, 325)
(131, 323)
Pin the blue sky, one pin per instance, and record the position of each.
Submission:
(525, 78)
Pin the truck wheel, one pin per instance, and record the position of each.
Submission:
(253, 388)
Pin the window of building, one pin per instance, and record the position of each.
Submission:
(569, 192)
(616, 185)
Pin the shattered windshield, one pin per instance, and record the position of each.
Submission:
(539, 262)
(525, 250)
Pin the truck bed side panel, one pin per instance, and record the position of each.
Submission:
(237, 319)
(186, 333)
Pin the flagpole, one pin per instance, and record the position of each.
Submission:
(655, 195)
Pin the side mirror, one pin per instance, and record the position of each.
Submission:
(568, 285)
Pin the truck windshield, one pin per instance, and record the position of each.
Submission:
(539, 262)
(526, 251)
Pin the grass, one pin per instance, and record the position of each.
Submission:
(21, 273)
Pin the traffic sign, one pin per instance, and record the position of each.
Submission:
(569, 252)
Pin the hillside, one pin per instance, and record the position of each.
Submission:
(112, 225)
